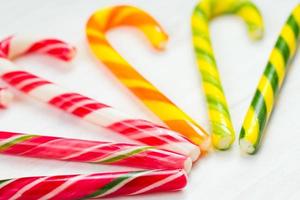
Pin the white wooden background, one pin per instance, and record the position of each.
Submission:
(274, 173)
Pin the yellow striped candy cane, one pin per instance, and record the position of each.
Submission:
(222, 129)
(270, 83)
(106, 19)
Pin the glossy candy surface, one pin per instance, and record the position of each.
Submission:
(270, 83)
(106, 19)
(97, 152)
(222, 129)
(92, 186)
(86, 108)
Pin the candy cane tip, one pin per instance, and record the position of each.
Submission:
(224, 142)
(257, 34)
(6, 97)
(246, 147)
(188, 165)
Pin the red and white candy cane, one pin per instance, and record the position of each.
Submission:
(92, 186)
(88, 109)
(58, 148)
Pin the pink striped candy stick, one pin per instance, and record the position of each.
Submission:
(92, 186)
(58, 148)
(90, 110)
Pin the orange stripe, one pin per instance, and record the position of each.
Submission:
(147, 94)
(97, 40)
(123, 71)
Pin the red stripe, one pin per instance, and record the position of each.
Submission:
(82, 111)
(32, 86)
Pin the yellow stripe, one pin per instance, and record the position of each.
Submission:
(211, 90)
(156, 38)
(250, 15)
(296, 14)
(278, 62)
(107, 54)
(220, 118)
(288, 35)
(266, 90)
(251, 126)
(165, 111)
(101, 17)
(203, 44)
(199, 24)
(208, 68)
(133, 83)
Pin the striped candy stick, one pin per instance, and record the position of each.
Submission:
(6, 97)
(90, 110)
(222, 129)
(58, 148)
(106, 19)
(269, 85)
(92, 186)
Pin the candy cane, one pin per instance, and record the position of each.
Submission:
(222, 129)
(58, 148)
(92, 186)
(106, 19)
(269, 85)
(6, 97)
(93, 111)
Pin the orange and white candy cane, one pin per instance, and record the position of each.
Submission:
(106, 19)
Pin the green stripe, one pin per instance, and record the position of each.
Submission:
(200, 53)
(206, 77)
(216, 105)
(126, 155)
(293, 24)
(15, 141)
(200, 12)
(259, 105)
(271, 74)
(3, 181)
(242, 5)
(283, 47)
(242, 133)
(197, 33)
(112, 184)
(219, 129)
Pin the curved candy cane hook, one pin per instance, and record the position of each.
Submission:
(270, 83)
(86, 108)
(15, 46)
(106, 19)
(206, 10)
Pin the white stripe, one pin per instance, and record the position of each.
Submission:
(117, 187)
(19, 44)
(159, 183)
(106, 116)
(85, 151)
(41, 145)
(26, 188)
(62, 187)
(47, 92)
(10, 139)
(6, 66)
